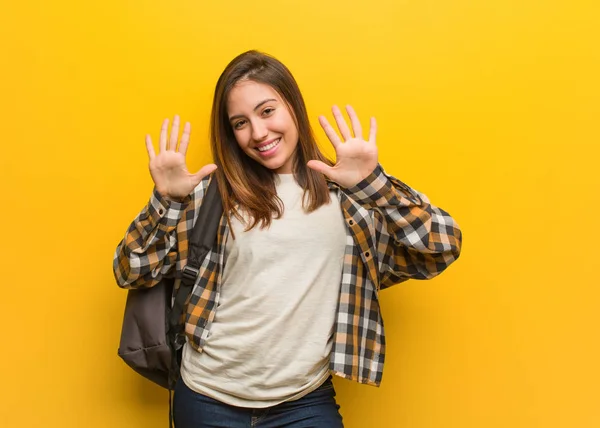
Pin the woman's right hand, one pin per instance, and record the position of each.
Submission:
(168, 169)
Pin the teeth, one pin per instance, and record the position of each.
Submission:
(268, 146)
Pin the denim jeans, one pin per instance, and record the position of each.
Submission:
(317, 409)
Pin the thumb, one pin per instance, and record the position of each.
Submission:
(321, 167)
(203, 172)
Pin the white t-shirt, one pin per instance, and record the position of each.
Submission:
(271, 337)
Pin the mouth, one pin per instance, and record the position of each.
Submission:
(269, 147)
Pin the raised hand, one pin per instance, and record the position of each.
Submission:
(356, 158)
(168, 169)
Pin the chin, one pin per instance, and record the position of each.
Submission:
(273, 166)
(270, 164)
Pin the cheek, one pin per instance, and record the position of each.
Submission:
(293, 132)
(287, 124)
(241, 138)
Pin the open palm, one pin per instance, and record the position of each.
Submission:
(168, 169)
(356, 158)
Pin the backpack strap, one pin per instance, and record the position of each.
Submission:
(201, 241)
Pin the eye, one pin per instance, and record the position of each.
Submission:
(268, 111)
(239, 124)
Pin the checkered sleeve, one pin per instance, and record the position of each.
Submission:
(149, 249)
(414, 239)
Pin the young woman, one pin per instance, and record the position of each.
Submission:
(289, 293)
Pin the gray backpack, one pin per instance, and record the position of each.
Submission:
(151, 326)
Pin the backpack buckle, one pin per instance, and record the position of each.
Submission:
(189, 273)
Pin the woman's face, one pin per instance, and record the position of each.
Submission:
(263, 125)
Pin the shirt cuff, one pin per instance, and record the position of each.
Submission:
(380, 189)
(164, 211)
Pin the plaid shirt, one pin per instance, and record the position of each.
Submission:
(393, 234)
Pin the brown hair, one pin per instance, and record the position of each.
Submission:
(243, 182)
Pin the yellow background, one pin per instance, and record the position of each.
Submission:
(489, 107)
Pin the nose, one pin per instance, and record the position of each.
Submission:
(259, 131)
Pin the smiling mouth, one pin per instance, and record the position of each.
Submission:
(269, 146)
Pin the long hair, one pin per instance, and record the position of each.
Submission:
(244, 183)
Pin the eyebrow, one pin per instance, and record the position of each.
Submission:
(255, 108)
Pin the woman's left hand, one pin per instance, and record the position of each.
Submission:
(356, 158)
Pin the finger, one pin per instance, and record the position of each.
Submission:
(162, 143)
(355, 122)
(185, 138)
(329, 131)
(321, 167)
(204, 171)
(174, 134)
(341, 123)
(373, 130)
(150, 147)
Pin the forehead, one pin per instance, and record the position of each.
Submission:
(246, 94)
